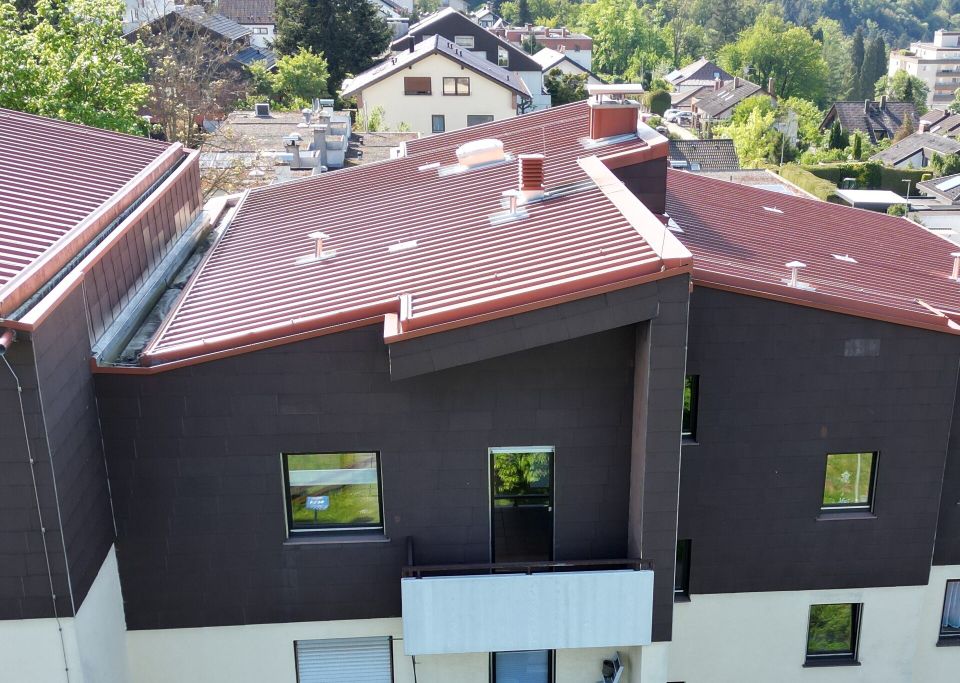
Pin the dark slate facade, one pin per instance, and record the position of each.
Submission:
(780, 387)
(195, 459)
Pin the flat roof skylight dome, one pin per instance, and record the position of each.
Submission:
(480, 152)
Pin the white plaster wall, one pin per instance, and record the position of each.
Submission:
(486, 98)
(30, 651)
(464, 668)
(568, 68)
(100, 627)
(761, 637)
(94, 642)
(932, 664)
(261, 39)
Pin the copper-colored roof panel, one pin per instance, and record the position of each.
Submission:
(60, 183)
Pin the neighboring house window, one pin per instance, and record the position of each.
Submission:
(849, 481)
(438, 123)
(526, 666)
(503, 57)
(456, 85)
(681, 576)
(331, 492)
(691, 390)
(417, 85)
(260, 30)
(474, 119)
(950, 623)
(464, 41)
(832, 633)
(344, 659)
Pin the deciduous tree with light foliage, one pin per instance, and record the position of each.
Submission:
(903, 87)
(774, 48)
(296, 80)
(754, 138)
(622, 32)
(68, 59)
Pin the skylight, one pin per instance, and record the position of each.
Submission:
(772, 209)
(949, 183)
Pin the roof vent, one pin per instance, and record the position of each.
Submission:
(402, 246)
(319, 254)
(531, 176)
(846, 258)
(792, 281)
(772, 209)
(480, 152)
(956, 266)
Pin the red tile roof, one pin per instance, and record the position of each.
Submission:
(582, 238)
(741, 238)
(60, 184)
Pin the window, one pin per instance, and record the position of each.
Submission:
(344, 659)
(832, 633)
(464, 41)
(503, 57)
(691, 390)
(456, 85)
(438, 123)
(530, 666)
(681, 576)
(474, 119)
(950, 623)
(417, 85)
(849, 481)
(261, 30)
(333, 492)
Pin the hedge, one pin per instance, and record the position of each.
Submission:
(870, 175)
(818, 187)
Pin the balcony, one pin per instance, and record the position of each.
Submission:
(451, 609)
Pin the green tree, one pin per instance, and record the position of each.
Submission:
(773, 48)
(755, 139)
(945, 165)
(299, 78)
(523, 12)
(624, 35)
(836, 49)
(68, 59)
(905, 130)
(808, 117)
(857, 146)
(565, 88)
(874, 66)
(658, 101)
(897, 210)
(903, 87)
(350, 34)
(953, 106)
(839, 139)
(857, 53)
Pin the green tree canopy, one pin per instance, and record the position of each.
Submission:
(349, 33)
(565, 88)
(874, 66)
(773, 48)
(857, 54)
(68, 59)
(622, 32)
(300, 77)
(755, 139)
(903, 87)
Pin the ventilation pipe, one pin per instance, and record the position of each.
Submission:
(291, 144)
(318, 237)
(794, 267)
(307, 114)
(7, 337)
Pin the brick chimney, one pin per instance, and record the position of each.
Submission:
(924, 126)
(883, 102)
(611, 113)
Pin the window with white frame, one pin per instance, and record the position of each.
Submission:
(464, 41)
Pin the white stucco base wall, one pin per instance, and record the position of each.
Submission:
(92, 648)
(265, 652)
(761, 637)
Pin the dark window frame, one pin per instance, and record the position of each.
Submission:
(457, 82)
(418, 93)
(551, 664)
(837, 658)
(487, 118)
(433, 123)
(681, 576)
(688, 426)
(951, 636)
(843, 508)
(365, 529)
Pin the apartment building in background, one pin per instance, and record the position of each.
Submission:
(523, 404)
(937, 64)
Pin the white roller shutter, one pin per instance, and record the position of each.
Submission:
(344, 660)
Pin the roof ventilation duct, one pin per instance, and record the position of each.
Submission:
(530, 169)
(319, 253)
(795, 267)
(480, 152)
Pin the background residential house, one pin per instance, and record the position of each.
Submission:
(577, 46)
(915, 151)
(460, 30)
(550, 59)
(878, 120)
(436, 86)
(259, 16)
(718, 103)
(936, 63)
